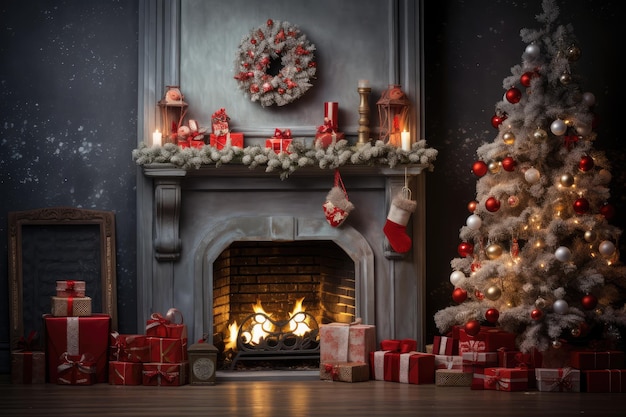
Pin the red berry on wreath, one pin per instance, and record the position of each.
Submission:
(459, 295)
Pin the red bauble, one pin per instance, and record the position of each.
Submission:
(586, 163)
(589, 302)
(479, 295)
(471, 206)
(513, 95)
(508, 164)
(496, 120)
(492, 204)
(581, 206)
(536, 314)
(465, 249)
(472, 327)
(479, 168)
(459, 295)
(608, 211)
(492, 315)
(526, 78)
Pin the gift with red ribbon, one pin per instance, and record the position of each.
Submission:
(172, 325)
(71, 306)
(167, 349)
(345, 371)
(220, 120)
(165, 374)
(280, 142)
(125, 373)
(347, 342)
(229, 139)
(448, 362)
(603, 380)
(327, 134)
(443, 345)
(407, 368)
(506, 379)
(558, 379)
(488, 339)
(76, 370)
(589, 360)
(129, 348)
(28, 364)
(70, 288)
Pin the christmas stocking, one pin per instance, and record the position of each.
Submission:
(397, 219)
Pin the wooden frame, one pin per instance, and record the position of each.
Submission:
(60, 216)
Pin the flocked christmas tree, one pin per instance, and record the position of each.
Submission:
(538, 254)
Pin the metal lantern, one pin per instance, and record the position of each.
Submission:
(173, 110)
(393, 112)
(202, 363)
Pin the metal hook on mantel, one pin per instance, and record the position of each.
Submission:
(406, 191)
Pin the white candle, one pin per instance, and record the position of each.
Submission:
(406, 141)
(156, 138)
(364, 83)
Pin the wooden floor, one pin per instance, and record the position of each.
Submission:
(293, 398)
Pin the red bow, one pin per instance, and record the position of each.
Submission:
(332, 370)
(284, 134)
(27, 343)
(401, 346)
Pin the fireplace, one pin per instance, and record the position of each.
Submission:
(199, 229)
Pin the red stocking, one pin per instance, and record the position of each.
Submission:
(397, 219)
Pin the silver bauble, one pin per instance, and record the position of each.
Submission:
(606, 248)
(474, 222)
(560, 307)
(563, 254)
(456, 277)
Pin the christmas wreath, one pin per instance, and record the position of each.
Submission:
(275, 64)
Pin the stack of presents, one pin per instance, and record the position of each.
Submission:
(82, 349)
(487, 360)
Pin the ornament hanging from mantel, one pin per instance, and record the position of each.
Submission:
(275, 64)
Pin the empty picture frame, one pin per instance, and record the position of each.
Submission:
(53, 244)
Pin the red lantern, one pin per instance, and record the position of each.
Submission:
(459, 295)
(492, 315)
(472, 327)
(581, 206)
(492, 204)
(465, 249)
(508, 164)
(586, 163)
(479, 168)
(513, 95)
(589, 302)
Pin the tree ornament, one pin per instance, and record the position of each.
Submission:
(589, 301)
(563, 254)
(493, 251)
(275, 44)
(536, 314)
(492, 315)
(513, 95)
(472, 327)
(532, 175)
(583, 129)
(560, 307)
(573, 53)
(526, 78)
(496, 120)
(456, 277)
(471, 206)
(590, 236)
(513, 201)
(532, 50)
(576, 332)
(557, 344)
(465, 249)
(581, 206)
(493, 293)
(558, 127)
(508, 164)
(494, 167)
(565, 78)
(607, 210)
(508, 138)
(604, 175)
(479, 168)
(479, 295)
(586, 163)
(589, 99)
(540, 134)
(606, 248)
(566, 180)
(492, 204)
(459, 295)
(474, 222)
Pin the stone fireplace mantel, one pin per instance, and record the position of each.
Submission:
(188, 217)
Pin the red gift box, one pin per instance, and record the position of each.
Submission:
(343, 342)
(603, 380)
(28, 367)
(443, 345)
(478, 375)
(70, 288)
(506, 379)
(71, 306)
(345, 371)
(129, 348)
(480, 358)
(517, 359)
(219, 142)
(76, 370)
(165, 374)
(167, 350)
(125, 373)
(168, 326)
(327, 139)
(77, 336)
(448, 362)
(589, 360)
(278, 145)
(488, 339)
(407, 368)
(558, 379)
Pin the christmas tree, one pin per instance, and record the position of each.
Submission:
(538, 253)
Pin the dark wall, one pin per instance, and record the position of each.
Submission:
(68, 111)
(469, 50)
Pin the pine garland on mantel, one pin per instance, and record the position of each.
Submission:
(299, 156)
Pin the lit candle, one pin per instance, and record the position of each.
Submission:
(364, 84)
(406, 141)
(156, 138)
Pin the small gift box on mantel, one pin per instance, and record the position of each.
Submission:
(70, 288)
(280, 142)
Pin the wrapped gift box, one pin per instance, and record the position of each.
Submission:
(590, 360)
(443, 345)
(76, 370)
(603, 380)
(408, 368)
(488, 339)
(71, 306)
(28, 367)
(517, 359)
(219, 142)
(167, 350)
(70, 288)
(76, 336)
(452, 378)
(343, 342)
(448, 362)
(165, 374)
(506, 379)
(278, 145)
(168, 326)
(478, 375)
(125, 373)
(480, 358)
(558, 379)
(129, 348)
(326, 139)
(345, 371)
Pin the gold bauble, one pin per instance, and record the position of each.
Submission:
(494, 251)
(508, 138)
(494, 167)
(540, 134)
(493, 293)
(566, 180)
(591, 236)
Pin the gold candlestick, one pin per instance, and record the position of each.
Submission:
(364, 115)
